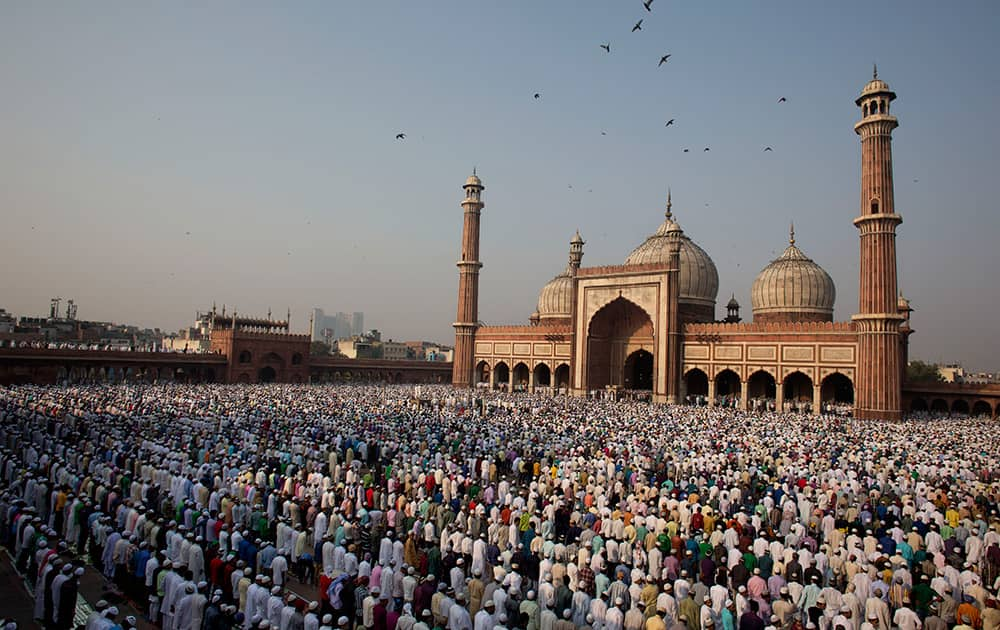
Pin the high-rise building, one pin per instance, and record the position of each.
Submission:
(329, 328)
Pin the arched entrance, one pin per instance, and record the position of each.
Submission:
(798, 391)
(543, 376)
(267, 374)
(562, 376)
(501, 374)
(939, 406)
(615, 332)
(521, 377)
(981, 408)
(918, 405)
(639, 370)
(696, 386)
(761, 389)
(837, 389)
(482, 372)
(727, 383)
(960, 408)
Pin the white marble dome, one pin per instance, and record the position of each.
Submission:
(793, 288)
(556, 298)
(699, 279)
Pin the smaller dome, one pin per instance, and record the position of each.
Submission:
(793, 288)
(903, 305)
(875, 86)
(556, 298)
(473, 181)
(733, 303)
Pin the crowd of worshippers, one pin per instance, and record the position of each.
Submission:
(303, 507)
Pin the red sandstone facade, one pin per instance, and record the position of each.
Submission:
(467, 318)
(260, 350)
(647, 324)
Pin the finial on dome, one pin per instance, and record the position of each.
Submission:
(473, 170)
(670, 205)
(791, 234)
(874, 71)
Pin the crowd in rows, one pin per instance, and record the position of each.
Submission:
(304, 507)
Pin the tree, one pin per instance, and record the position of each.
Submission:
(319, 348)
(921, 372)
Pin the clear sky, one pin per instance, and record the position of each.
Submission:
(266, 130)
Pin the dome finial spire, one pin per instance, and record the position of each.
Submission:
(874, 71)
(791, 233)
(670, 205)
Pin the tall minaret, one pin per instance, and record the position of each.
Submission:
(468, 285)
(878, 386)
(674, 337)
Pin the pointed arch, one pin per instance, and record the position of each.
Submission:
(696, 385)
(615, 331)
(562, 376)
(543, 375)
(837, 388)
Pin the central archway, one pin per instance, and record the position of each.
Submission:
(267, 374)
(616, 331)
(639, 370)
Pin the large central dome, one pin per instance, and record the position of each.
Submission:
(699, 279)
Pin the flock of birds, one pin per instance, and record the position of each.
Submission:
(606, 47)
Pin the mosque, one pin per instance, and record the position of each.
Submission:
(648, 325)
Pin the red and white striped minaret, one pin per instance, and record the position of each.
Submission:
(878, 383)
(467, 319)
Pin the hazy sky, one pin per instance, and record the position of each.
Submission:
(266, 130)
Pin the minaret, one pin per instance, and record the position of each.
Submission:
(878, 386)
(674, 337)
(576, 251)
(468, 285)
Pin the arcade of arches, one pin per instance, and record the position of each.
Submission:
(521, 377)
(761, 391)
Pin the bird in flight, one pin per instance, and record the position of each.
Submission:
(768, 149)
(400, 136)
(637, 27)
(669, 122)
(537, 95)
(604, 133)
(707, 149)
(649, 5)
(663, 60)
(782, 99)
(606, 47)
(686, 150)
(187, 234)
(914, 181)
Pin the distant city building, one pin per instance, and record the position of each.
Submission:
(355, 348)
(952, 373)
(329, 328)
(195, 338)
(66, 331)
(955, 373)
(394, 350)
(7, 322)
